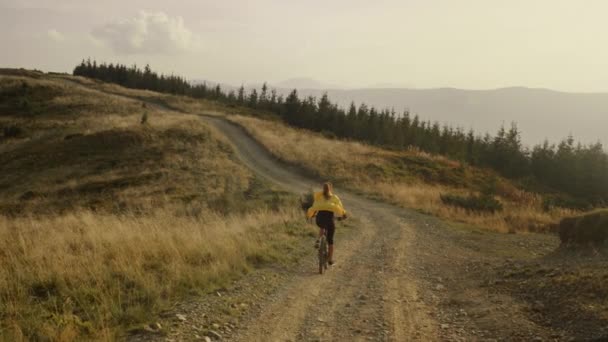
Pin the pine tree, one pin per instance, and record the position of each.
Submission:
(240, 99)
(470, 157)
(253, 99)
(263, 96)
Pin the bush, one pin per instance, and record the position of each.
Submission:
(24, 103)
(307, 199)
(329, 135)
(551, 202)
(12, 131)
(144, 118)
(474, 203)
(590, 228)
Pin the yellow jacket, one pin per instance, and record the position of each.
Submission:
(332, 204)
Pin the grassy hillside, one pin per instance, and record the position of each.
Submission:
(78, 148)
(112, 209)
(412, 179)
(105, 220)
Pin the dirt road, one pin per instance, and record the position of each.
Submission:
(371, 292)
(400, 276)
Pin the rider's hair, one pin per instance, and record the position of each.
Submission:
(327, 190)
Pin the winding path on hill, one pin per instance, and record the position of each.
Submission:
(401, 275)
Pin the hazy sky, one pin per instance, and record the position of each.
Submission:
(475, 44)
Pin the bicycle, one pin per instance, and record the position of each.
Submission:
(324, 249)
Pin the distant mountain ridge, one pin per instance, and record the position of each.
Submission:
(539, 113)
(305, 83)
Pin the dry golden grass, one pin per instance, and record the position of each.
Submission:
(376, 172)
(85, 275)
(337, 159)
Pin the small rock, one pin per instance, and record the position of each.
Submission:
(214, 335)
(147, 328)
(215, 326)
(181, 317)
(445, 326)
(219, 294)
(207, 339)
(362, 297)
(320, 320)
(439, 287)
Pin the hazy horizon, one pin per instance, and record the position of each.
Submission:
(322, 85)
(471, 44)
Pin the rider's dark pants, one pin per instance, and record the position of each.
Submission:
(325, 220)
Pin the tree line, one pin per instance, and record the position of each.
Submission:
(580, 171)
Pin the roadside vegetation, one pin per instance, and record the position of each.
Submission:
(588, 229)
(112, 209)
(412, 179)
(87, 275)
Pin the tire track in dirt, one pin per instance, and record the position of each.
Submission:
(348, 306)
(303, 309)
(407, 312)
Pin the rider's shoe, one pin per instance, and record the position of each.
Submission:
(331, 262)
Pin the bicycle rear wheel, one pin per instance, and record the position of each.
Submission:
(322, 254)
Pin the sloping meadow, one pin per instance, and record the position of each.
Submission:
(111, 209)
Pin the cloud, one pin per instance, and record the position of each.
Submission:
(152, 33)
(55, 35)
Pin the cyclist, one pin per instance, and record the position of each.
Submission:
(325, 206)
